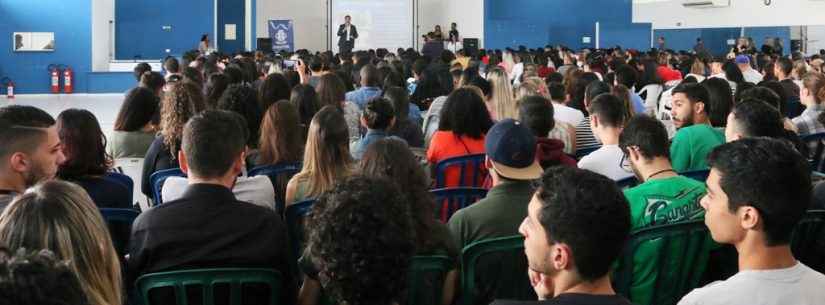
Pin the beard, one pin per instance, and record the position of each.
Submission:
(686, 121)
(36, 174)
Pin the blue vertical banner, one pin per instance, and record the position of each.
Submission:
(282, 34)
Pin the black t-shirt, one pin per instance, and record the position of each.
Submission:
(572, 299)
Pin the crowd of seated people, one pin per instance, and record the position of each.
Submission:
(575, 151)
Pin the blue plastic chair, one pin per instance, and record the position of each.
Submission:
(119, 222)
(698, 175)
(817, 145)
(157, 179)
(120, 178)
(473, 163)
(295, 215)
(450, 200)
(279, 175)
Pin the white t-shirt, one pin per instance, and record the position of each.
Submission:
(256, 190)
(567, 114)
(752, 76)
(798, 285)
(606, 161)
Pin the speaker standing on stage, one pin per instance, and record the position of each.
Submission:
(453, 32)
(346, 36)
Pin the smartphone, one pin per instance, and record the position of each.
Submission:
(290, 64)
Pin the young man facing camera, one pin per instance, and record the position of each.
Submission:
(694, 138)
(757, 191)
(576, 226)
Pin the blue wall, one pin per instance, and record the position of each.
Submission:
(536, 23)
(716, 38)
(72, 26)
(139, 28)
(231, 12)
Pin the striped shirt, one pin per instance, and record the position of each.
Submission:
(584, 136)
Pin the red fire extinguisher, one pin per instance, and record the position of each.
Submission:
(55, 78)
(9, 87)
(68, 75)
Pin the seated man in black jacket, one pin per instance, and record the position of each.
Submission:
(207, 227)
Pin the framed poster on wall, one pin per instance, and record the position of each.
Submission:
(33, 41)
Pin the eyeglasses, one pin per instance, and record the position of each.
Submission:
(624, 163)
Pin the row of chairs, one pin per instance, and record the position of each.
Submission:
(494, 269)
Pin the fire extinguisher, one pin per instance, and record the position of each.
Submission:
(54, 72)
(68, 75)
(9, 87)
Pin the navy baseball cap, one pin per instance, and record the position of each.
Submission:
(512, 149)
(743, 59)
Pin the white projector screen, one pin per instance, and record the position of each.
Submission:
(380, 23)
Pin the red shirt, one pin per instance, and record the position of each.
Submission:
(668, 74)
(445, 144)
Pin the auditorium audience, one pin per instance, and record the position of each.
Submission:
(719, 99)
(60, 217)
(562, 112)
(364, 262)
(757, 191)
(575, 227)
(502, 105)
(241, 99)
(29, 148)
(585, 138)
(31, 277)
(662, 197)
(154, 81)
(215, 86)
(182, 102)
(811, 94)
(332, 91)
(694, 138)
(377, 117)
(208, 227)
(536, 113)
(463, 125)
(750, 75)
(327, 159)
(86, 161)
(274, 88)
(511, 157)
(370, 87)
(405, 127)
(607, 118)
(305, 99)
(135, 125)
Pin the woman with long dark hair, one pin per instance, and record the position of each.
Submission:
(135, 125)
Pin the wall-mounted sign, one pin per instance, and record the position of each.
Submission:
(33, 41)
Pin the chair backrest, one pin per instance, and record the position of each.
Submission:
(671, 259)
(133, 167)
(698, 175)
(279, 175)
(450, 200)
(158, 178)
(206, 281)
(817, 147)
(495, 269)
(296, 214)
(119, 222)
(808, 241)
(425, 284)
(471, 171)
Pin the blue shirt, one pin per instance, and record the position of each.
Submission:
(638, 103)
(363, 95)
(415, 114)
(360, 147)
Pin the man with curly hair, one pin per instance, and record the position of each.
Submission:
(361, 240)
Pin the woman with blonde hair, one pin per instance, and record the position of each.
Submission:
(326, 157)
(502, 105)
(60, 217)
